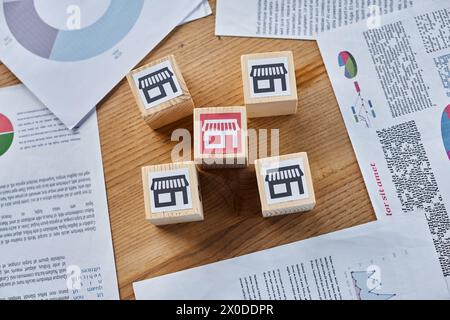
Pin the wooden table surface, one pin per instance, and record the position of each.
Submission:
(233, 223)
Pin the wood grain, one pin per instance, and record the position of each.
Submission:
(233, 224)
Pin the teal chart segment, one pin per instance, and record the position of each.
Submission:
(70, 45)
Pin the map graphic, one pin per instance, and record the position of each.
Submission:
(6, 134)
(347, 61)
(363, 110)
(446, 129)
(361, 279)
(48, 42)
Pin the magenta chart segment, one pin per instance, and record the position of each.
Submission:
(50, 43)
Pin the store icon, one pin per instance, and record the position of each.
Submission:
(280, 181)
(268, 73)
(152, 85)
(165, 189)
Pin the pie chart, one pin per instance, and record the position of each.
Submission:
(347, 61)
(49, 42)
(446, 129)
(6, 134)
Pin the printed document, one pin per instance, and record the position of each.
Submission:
(377, 261)
(297, 19)
(55, 238)
(392, 84)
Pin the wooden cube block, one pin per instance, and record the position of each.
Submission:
(270, 87)
(172, 193)
(160, 92)
(285, 184)
(220, 137)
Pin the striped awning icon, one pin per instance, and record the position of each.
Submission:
(220, 125)
(268, 70)
(169, 183)
(155, 78)
(285, 174)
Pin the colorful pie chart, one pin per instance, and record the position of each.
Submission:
(48, 42)
(6, 134)
(446, 129)
(347, 61)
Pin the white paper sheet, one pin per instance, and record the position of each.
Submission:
(203, 10)
(296, 19)
(396, 106)
(55, 238)
(377, 261)
(71, 53)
